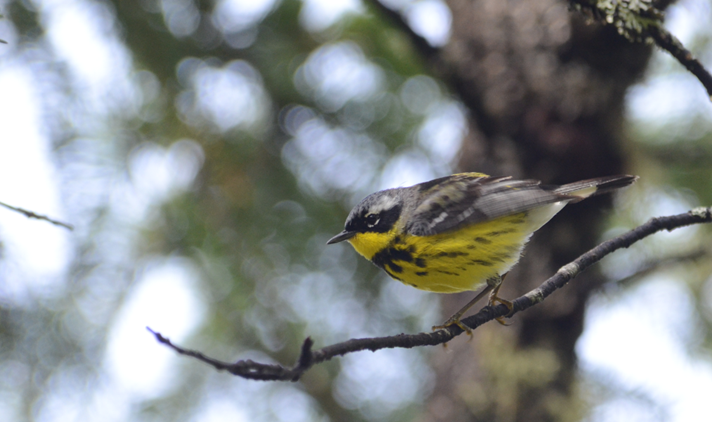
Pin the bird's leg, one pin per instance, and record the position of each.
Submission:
(494, 299)
(492, 283)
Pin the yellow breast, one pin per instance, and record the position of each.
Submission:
(449, 262)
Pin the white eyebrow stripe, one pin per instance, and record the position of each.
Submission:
(386, 203)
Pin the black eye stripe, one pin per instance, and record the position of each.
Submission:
(374, 222)
(372, 219)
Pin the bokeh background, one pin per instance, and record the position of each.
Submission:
(204, 151)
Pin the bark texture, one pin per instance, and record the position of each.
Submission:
(545, 90)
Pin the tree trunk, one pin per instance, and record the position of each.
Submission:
(545, 90)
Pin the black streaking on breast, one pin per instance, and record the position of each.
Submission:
(386, 259)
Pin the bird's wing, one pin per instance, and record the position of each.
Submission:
(469, 198)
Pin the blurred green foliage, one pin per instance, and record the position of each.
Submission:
(274, 131)
(267, 131)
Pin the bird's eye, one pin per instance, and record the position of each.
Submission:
(372, 220)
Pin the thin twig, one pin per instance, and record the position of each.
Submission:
(30, 214)
(643, 22)
(308, 357)
(671, 44)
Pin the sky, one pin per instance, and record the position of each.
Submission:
(625, 339)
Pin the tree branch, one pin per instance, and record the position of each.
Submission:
(671, 44)
(638, 21)
(308, 357)
(641, 21)
(30, 214)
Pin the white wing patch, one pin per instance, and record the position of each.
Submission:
(468, 212)
(438, 219)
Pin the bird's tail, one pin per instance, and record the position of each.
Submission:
(585, 188)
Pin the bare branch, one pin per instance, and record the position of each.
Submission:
(30, 214)
(641, 21)
(671, 44)
(308, 357)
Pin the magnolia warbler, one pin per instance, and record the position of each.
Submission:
(459, 232)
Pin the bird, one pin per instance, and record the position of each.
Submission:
(462, 232)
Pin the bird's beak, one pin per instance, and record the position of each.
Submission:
(344, 235)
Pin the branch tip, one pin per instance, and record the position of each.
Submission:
(31, 214)
(163, 340)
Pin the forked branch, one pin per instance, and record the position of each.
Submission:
(308, 357)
